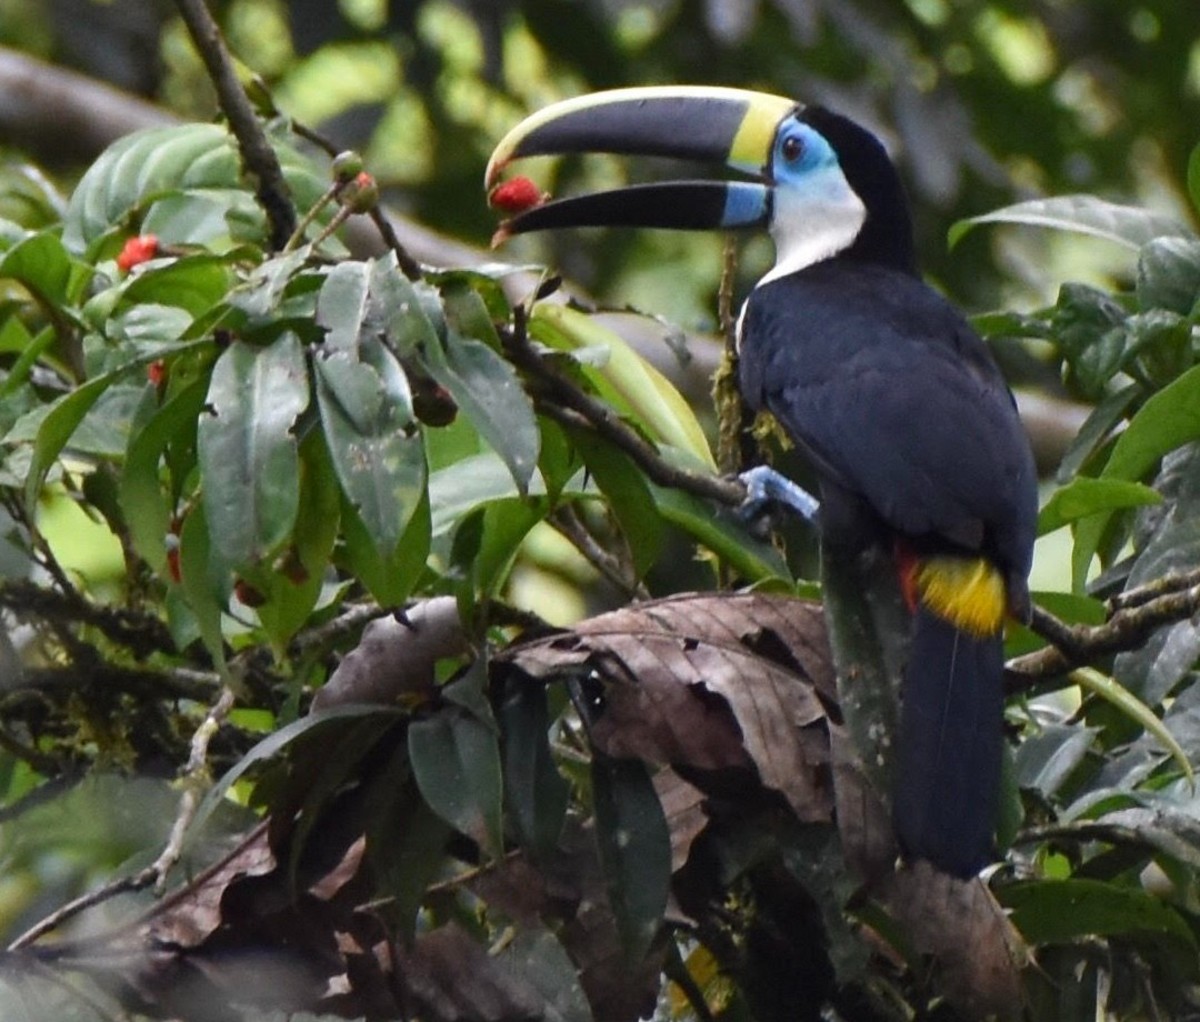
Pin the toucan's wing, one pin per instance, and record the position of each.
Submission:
(893, 394)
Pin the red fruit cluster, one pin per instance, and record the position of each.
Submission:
(137, 250)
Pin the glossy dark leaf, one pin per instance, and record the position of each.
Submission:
(247, 451)
(536, 793)
(293, 583)
(635, 849)
(629, 496)
(194, 283)
(1069, 910)
(143, 496)
(377, 449)
(486, 543)
(389, 580)
(406, 841)
(342, 305)
(1168, 275)
(1166, 421)
(42, 264)
(150, 171)
(456, 762)
(1130, 226)
(206, 592)
(1046, 760)
(1087, 496)
(334, 719)
(488, 392)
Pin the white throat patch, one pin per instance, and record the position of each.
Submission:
(815, 222)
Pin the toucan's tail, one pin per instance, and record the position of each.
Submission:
(949, 751)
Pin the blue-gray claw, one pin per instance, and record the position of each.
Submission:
(764, 485)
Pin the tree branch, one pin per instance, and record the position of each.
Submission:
(1133, 617)
(142, 634)
(566, 403)
(259, 159)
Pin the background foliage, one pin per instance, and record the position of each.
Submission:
(219, 464)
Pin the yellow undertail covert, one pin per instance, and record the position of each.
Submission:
(967, 592)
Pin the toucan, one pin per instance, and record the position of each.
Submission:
(880, 382)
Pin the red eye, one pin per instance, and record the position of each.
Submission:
(793, 148)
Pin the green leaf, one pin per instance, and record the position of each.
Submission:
(1047, 759)
(1161, 346)
(390, 580)
(406, 842)
(1193, 178)
(163, 165)
(342, 305)
(1078, 909)
(636, 386)
(1098, 425)
(194, 283)
(59, 424)
(275, 743)
(341, 757)
(396, 310)
(635, 849)
(377, 449)
(629, 496)
(487, 543)
(1089, 327)
(1130, 226)
(456, 762)
(1168, 275)
(721, 532)
(206, 594)
(458, 489)
(488, 392)
(292, 587)
(1166, 421)
(144, 503)
(1086, 496)
(536, 793)
(41, 264)
(1107, 689)
(248, 460)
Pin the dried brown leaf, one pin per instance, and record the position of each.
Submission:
(451, 978)
(710, 682)
(977, 952)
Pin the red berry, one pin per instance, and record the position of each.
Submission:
(362, 196)
(137, 250)
(516, 195)
(248, 594)
(156, 372)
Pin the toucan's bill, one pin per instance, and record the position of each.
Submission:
(707, 124)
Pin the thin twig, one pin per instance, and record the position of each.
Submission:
(348, 623)
(408, 265)
(258, 156)
(571, 406)
(1171, 583)
(195, 780)
(1126, 629)
(142, 634)
(139, 881)
(618, 570)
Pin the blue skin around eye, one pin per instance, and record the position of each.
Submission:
(818, 153)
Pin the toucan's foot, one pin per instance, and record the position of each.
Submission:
(765, 486)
